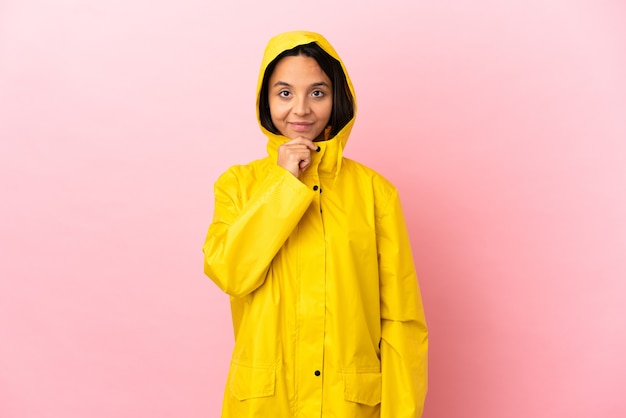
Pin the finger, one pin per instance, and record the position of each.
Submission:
(309, 144)
(295, 152)
(301, 140)
(303, 166)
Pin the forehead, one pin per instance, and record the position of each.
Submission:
(298, 69)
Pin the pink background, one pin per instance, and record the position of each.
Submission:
(503, 124)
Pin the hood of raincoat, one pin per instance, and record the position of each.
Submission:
(284, 42)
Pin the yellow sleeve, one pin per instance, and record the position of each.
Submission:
(244, 236)
(404, 343)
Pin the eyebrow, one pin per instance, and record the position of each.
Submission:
(318, 84)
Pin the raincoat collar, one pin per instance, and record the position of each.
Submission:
(328, 160)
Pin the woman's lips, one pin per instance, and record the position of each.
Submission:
(301, 126)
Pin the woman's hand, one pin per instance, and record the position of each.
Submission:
(295, 155)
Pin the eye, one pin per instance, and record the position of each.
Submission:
(318, 93)
(284, 93)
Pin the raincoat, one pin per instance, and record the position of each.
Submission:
(326, 309)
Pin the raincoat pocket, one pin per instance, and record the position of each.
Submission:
(363, 388)
(252, 382)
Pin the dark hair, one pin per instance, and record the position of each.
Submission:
(343, 102)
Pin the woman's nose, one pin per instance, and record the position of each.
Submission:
(301, 106)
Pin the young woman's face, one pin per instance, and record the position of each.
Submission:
(300, 98)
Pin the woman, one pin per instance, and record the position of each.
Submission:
(313, 250)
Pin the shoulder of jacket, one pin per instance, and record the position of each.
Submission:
(243, 172)
(379, 182)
